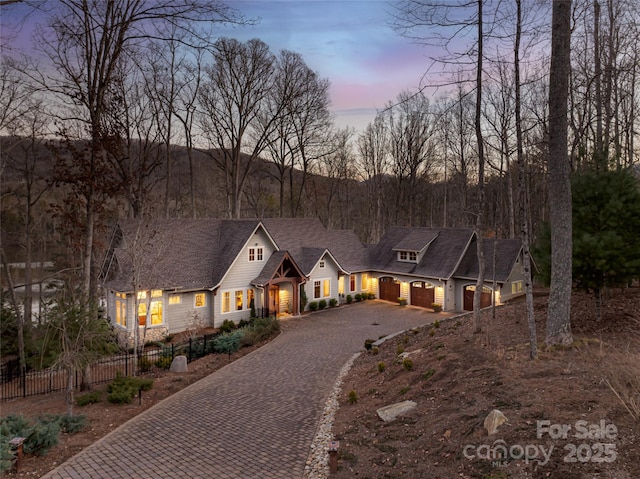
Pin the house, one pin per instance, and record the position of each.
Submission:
(176, 274)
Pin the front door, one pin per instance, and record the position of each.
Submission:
(274, 303)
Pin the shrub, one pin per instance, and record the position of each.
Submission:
(437, 307)
(368, 343)
(227, 326)
(303, 298)
(432, 332)
(358, 297)
(381, 367)
(124, 388)
(353, 397)
(428, 374)
(333, 302)
(375, 350)
(436, 324)
(371, 296)
(407, 364)
(402, 301)
(313, 306)
(322, 304)
(163, 362)
(144, 364)
(228, 343)
(399, 349)
(349, 299)
(88, 398)
(41, 437)
(68, 424)
(259, 330)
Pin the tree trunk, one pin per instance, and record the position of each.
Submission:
(559, 309)
(522, 195)
(479, 219)
(68, 398)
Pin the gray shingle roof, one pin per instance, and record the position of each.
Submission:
(446, 248)
(507, 252)
(306, 239)
(416, 240)
(177, 253)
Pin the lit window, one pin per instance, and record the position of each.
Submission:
(250, 300)
(156, 313)
(226, 302)
(142, 295)
(352, 282)
(365, 282)
(121, 309)
(326, 288)
(316, 289)
(516, 287)
(175, 299)
(199, 300)
(239, 297)
(142, 314)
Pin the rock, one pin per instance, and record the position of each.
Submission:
(392, 411)
(179, 364)
(493, 421)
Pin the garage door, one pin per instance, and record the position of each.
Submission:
(422, 294)
(389, 289)
(485, 298)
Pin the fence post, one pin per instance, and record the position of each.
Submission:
(126, 364)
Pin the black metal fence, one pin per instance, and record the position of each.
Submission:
(16, 383)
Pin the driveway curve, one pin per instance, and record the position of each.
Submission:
(256, 417)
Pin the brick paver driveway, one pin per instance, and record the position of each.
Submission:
(254, 418)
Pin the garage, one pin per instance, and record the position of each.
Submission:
(422, 294)
(485, 297)
(389, 288)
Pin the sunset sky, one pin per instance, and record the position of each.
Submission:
(349, 42)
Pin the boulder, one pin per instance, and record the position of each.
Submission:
(179, 364)
(493, 421)
(392, 411)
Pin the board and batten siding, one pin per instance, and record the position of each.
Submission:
(239, 277)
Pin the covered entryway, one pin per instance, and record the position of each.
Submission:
(389, 288)
(422, 294)
(485, 298)
(281, 279)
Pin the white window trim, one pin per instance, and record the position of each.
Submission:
(258, 254)
(321, 280)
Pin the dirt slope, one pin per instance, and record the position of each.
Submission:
(564, 420)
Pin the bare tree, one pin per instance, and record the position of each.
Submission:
(232, 99)
(411, 148)
(373, 149)
(84, 43)
(559, 309)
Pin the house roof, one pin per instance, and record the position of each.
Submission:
(307, 240)
(272, 265)
(507, 252)
(446, 249)
(416, 240)
(177, 253)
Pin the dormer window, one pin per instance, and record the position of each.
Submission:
(408, 256)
